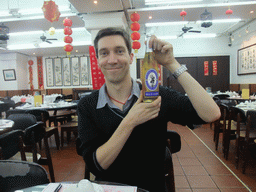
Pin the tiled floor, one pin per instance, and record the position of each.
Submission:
(197, 167)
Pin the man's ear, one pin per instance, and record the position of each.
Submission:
(131, 57)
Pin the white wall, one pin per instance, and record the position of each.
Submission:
(7, 61)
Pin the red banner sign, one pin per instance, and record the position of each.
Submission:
(206, 68)
(97, 76)
(214, 68)
(40, 73)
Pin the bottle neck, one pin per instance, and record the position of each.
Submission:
(148, 50)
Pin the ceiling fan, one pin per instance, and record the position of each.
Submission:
(188, 29)
(44, 39)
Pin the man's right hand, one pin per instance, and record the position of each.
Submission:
(143, 112)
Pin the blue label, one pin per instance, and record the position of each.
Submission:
(152, 79)
(151, 94)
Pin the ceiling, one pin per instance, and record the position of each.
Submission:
(88, 18)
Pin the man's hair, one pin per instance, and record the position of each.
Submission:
(112, 31)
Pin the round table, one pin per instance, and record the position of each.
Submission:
(5, 125)
(40, 188)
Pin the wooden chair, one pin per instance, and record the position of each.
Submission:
(11, 143)
(245, 138)
(230, 132)
(69, 127)
(173, 145)
(220, 124)
(34, 132)
(14, 179)
(43, 115)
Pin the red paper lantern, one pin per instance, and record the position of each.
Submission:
(135, 36)
(68, 48)
(135, 26)
(30, 62)
(68, 39)
(136, 45)
(67, 22)
(67, 31)
(183, 14)
(229, 12)
(51, 11)
(135, 17)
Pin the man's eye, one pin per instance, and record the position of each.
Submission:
(120, 51)
(103, 53)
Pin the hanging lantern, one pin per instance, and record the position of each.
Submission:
(51, 11)
(68, 48)
(30, 62)
(135, 17)
(135, 26)
(67, 22)
(67, 31)
(68, 39)
(51, 31)
(135, 35)
(136, 45)
(229, 12)
(183, 14)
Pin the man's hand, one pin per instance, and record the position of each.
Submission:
(143, 112)
(163, 53)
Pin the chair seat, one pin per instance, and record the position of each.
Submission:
(252, 134)
(29, 156)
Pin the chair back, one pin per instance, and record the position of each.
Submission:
(16, 175)
(12, 143)
(233, 114)
(224, 109)
(14, 111)
(33, 134)
(22, 121)
(40, 114)
(252, 115)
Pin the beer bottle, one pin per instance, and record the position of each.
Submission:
(149, 76)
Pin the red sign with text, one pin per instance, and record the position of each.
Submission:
(97, 76)
(40, 73)
(214, 68)
(206, 68)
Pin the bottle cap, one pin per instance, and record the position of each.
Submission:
(147, 45)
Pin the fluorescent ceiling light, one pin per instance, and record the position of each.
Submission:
(220, 21)
(157, 2)
(21, 46)
(166, 23)
(167, 37)
(41, 32)
(207, 35)
(186, 22)
(194, 6)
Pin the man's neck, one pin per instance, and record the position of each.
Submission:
(119, 91)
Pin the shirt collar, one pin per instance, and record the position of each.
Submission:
(104, 99)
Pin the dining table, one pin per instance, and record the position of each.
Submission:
(106, 185)
(5, 125)
(56, 110)
(247, 105)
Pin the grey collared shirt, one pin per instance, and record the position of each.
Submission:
(104, 99)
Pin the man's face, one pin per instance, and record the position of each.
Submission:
(114, 59)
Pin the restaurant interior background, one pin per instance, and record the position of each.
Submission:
(25, 22)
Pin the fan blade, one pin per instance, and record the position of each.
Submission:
(195, 31)
(48, 41)
(51, 39)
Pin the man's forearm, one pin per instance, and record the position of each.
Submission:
(108, 152)
(202, 102)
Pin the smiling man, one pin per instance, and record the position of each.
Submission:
(123, 139)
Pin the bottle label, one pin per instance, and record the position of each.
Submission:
(151, 94)
(151, 79)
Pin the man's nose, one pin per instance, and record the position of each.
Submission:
(112, 58)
